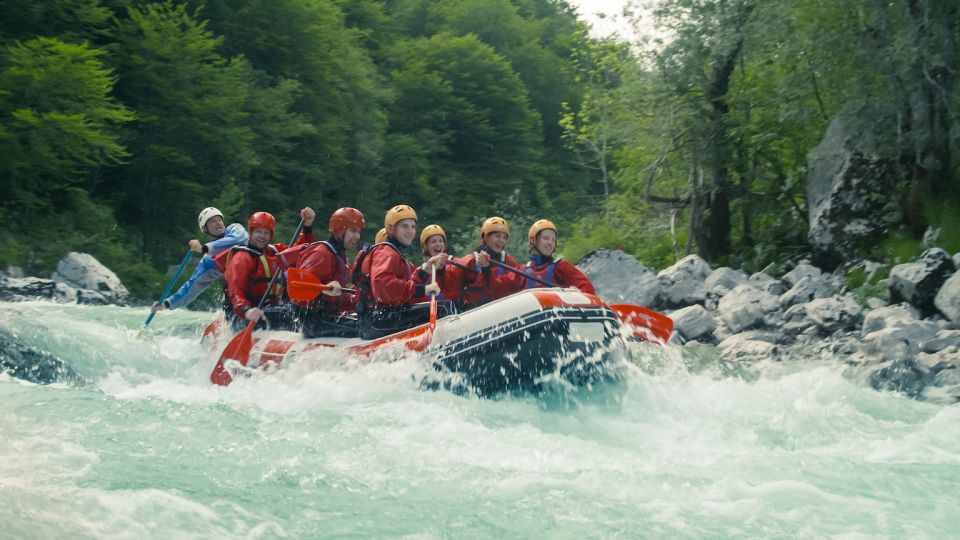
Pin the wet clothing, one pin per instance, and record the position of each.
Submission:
(556, 271)
(327, 261)
(247, 271)
(206, 272)
(492, 282)
(390, 287)
(392, 280)
(450, 278)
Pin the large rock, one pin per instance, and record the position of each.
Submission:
(803, 269)
(918, 282)
(766, 283)
(683, 283)
(745, 306)
(808, 287)
(693, 322)
(723, 280)
(889, 316)
(948, 298)
(850, 179)
(83, 271)
(934, 377)
(900, 342)
(620, 278)
(742, 348)
(14, 289)
(834, 313)
(31, 364)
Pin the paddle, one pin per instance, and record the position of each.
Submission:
(303, 286)
(166, 291)
(239, 347)
(659, 324)
(426, 337)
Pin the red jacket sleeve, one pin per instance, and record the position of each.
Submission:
(237, 277)
(319, 261)
(388, 281)
(571, 276)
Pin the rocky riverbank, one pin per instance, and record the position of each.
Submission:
(908, 343)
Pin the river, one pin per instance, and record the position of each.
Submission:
(694, 448)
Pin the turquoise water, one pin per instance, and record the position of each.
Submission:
(149, 449)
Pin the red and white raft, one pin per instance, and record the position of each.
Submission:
(515, 344)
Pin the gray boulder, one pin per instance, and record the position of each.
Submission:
(850, 177)
(683, 283)
(618, 277)
(767, 284)
(801, 270)
(31, 364)
(743, 349)
(83, 271)
(17, 289)
(934, 377)
(942, 341)
(693, 322)
(834, 313)
(889, 316)
(723, 280)
(918, 282)
(900, 342)
(947, 299)
(745, 306)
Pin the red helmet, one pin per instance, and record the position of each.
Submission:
(264, 220)
(343, 218)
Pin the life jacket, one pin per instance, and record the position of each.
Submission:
(278, 288)
(361, 279)
(545, 273)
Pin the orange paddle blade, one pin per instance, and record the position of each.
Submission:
(658, 324)
(238, 350)
(303, 286)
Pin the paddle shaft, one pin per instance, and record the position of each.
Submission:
(522, 273)
(273, 279)
(186, 259)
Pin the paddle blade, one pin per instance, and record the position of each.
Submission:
(303, 286)
(658, 324)
(237, 350)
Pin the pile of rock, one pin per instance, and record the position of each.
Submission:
(80, 278)
(911, 346)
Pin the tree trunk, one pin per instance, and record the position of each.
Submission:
(933, 34)
(712, 232)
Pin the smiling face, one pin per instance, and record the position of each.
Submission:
(435, 245)
(496, 241)
(215, 227)
(351, 237)
(546, 242)
(260, 237)
(404, 231)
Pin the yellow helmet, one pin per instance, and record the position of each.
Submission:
(428, 231)
(381, 236)
(494, 224)
(397, 214)
(540, 225)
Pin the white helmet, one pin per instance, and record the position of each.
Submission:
(205, 215)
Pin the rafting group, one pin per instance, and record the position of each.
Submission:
(381, 292)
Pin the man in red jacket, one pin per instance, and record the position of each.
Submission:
(248, 269)
(327, 261)
(490, 282)
(387, 280)
(543, 242)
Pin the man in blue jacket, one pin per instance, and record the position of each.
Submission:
(211, 222)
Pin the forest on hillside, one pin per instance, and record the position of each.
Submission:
(120, 120)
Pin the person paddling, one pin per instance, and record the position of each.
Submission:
(387, 280)
(225, 237)
(489, 283)
(247, 270)
(543, 238)
(433, 245)
(327, 261)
